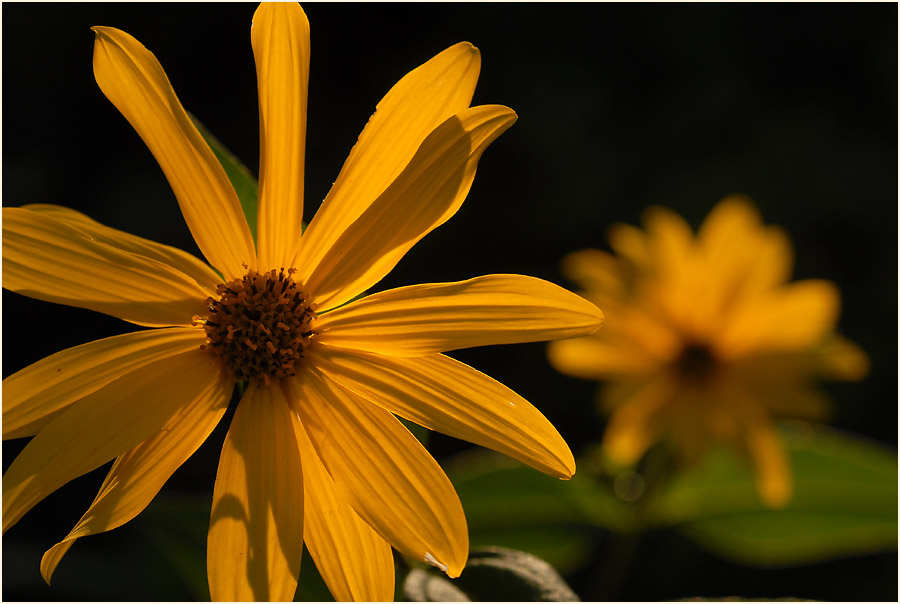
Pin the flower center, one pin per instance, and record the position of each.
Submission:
(260, 326)
(696, 362)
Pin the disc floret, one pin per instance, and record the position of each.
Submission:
(260, 325)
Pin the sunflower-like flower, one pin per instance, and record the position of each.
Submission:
(707, 340)
(314, 452)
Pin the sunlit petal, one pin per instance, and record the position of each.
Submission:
(50, 260)
(415, 106)
(137, 476)
(385, 474)
(256, 529)
(171, 256)
(280, 38)
(494, 309)
(105, 424)
(134, 81)
(355, 562)
(34, 396)
(450, 397)
(428, 191)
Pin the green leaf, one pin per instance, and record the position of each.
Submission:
(515, 506)
(242, 180)
(845, 502)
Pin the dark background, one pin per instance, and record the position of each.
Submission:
(620, 107)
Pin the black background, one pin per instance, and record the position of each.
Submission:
(620, 107)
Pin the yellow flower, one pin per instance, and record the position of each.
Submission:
(314, 453)
(706, 340)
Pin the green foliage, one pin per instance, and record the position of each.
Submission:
(845, 503)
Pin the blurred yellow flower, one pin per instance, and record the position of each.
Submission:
(706, 340)
(314, 453)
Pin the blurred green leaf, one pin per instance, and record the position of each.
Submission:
(515, 506)
(241, 178)
(845, 502)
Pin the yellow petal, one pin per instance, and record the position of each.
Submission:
(355, 562)
(137, 476)
(391, 481)
(450, 397)
(415, 106)
(105, 424)
(770, 462)
(796, 316)
(594, 358)
(741, 252)
(595, 271)
(428, 191)
(34, 396)
(280, 38)
(171, 256)
(494, 309)
(842, 359)
(632, 427)
(134, 81)
(256, 529)
(50, 260)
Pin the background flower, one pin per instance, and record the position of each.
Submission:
(619, 107)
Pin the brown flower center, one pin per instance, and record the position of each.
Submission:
(696, 362)
(260, 326)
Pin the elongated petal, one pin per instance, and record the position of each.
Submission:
(280, 38)
(386, 475)
(595, 358)
(171, 256)
(494, 309)
(416, 105)
(256, 529)
(633, 426)
(450, 397)
(134, 81)
(798, 315)
(105, 424)
(429, 191)
(137, 476)
(355, 562)
(49, 260)
(34, 396)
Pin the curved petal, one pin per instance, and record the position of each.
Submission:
(632, 427)
(428, 191)
(386, 475)
(137, 476)
(595, 358)
(424, 319)
(416, 105)
(198, 270)
(50, 260)
(798, 315)
(134, 81)
(34, 396)
(280, 38)
(105, 424)
(355, 562)
(256, 528)
(450, 397)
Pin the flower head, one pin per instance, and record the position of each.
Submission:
(314, 453)
(707, 340)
